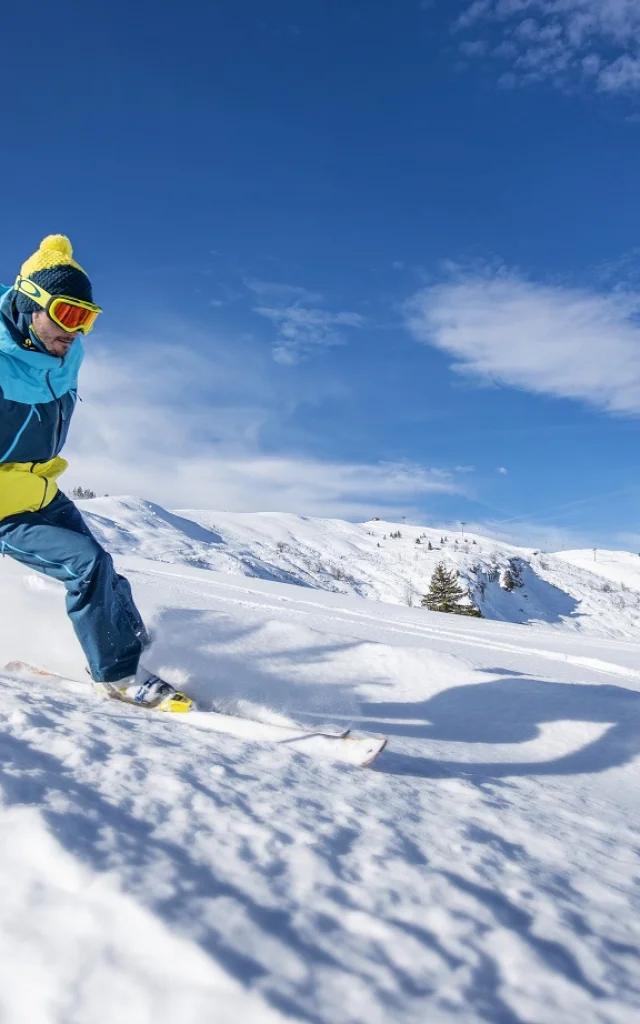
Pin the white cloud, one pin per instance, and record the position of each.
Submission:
(304, 326)
(566, 342)
(473, 47)
(502, 470)
(182, 425)
(628, 541)
(529, 534)
(302, 330)
(566, 41)
(282, 291)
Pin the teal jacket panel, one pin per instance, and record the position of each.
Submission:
(37, 395)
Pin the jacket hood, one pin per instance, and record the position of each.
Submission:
(14, 328)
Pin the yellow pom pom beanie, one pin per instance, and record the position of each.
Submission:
(54, 269)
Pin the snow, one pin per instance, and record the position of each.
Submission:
(617, 566)
(484, 870)
(364, 560)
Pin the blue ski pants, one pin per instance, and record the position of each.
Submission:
(57, 542)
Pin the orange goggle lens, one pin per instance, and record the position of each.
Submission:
(71, 317)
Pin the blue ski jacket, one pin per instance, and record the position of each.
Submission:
(38, 394)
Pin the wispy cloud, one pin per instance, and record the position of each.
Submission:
(305, 320)
(628, 540)
(596, 42)
(566, 342)
(530, 534)
(303, 329)
(542, 527)
(282, 292)
(184, 425)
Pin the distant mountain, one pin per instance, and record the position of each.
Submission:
(383, 561)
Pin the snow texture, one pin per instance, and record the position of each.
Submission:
(484, 870)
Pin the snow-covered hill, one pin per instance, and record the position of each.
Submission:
(485, 870)
(621, 567)
(565, 590)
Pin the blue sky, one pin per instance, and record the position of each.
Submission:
(356, 257)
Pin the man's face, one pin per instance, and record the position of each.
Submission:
(56, 341)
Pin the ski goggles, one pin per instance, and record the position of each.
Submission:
(70, 314)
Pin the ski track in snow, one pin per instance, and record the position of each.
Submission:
(485, 870)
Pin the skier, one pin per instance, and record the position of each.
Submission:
(41, 316)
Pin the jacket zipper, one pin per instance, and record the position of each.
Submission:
(44, 496)
(59, 408)
(58, 402)
(58, 432)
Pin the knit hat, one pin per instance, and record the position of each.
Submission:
(54, 269)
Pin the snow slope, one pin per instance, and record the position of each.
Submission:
(616, 566)
(368, 561)
(484, 871)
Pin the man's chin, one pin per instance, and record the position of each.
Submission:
(59, 348)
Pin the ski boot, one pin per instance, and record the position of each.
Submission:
(150, 691)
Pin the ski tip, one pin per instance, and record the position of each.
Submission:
(376, 749)
(21, 667)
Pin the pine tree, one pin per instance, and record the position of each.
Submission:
(471, 609)
(430, 546)
(446, 595)
(507, 581)
(515, 567)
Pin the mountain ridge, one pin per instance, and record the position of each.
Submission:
(381, 561)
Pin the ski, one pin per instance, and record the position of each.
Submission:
(359, 751)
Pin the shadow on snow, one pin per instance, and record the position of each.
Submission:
(511, 710)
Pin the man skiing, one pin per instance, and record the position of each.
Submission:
(41, 316)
